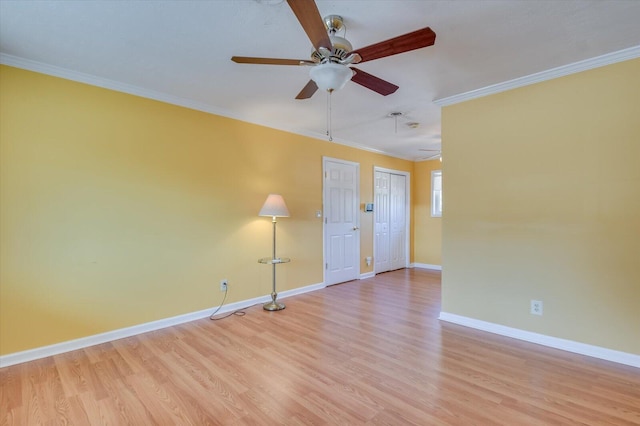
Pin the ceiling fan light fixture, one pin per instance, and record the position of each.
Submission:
(330, 76)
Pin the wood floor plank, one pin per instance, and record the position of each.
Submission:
(11, 389)
(367, 352)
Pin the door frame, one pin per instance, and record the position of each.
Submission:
(407, 211)
(326, 159)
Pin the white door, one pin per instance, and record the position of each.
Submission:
(341, 226)
(391, 219)
(381, 226)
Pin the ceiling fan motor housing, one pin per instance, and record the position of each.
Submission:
(339, 52)
(341, 47)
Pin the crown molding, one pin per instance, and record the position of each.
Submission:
(92, 80)
(587, 64)
(341, 141)
(55, 71)
(105, 83)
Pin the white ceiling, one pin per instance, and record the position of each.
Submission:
(180, 51)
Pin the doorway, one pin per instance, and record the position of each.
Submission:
(341, 201)
(391, 219)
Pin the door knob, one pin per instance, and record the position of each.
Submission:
(355, 228)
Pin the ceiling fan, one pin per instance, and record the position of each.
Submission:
(438, 153)
(333, 54)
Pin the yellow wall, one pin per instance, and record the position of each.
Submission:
(542, 191)
(427, 230)
(118, 210)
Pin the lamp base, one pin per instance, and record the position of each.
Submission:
(273, 306)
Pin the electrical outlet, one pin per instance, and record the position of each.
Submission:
(536, 307)
(223, 285)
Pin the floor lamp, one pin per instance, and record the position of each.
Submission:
(275, 207)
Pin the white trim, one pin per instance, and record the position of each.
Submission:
(426, 266)
(296, 291)
(105, 83)
(541, 339)
(367, 275)
(84, 342)
(27, 64)
(67, 74)
(587, 64)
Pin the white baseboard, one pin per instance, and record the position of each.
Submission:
(541, 339)
(367, 275)
(84, 342)
(296, 291)
(426, 266)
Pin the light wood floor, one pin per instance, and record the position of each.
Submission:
(365, 352)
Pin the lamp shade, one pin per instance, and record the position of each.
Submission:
(274, 206)
(330, 76)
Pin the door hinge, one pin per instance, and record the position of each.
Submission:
(326, 266)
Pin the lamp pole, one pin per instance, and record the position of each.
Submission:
(274, 207)
(273, 305)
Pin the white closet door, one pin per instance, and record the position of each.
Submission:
(397, 222)
(391, 220)
(381, 208)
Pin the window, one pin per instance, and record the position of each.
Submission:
(436, 193)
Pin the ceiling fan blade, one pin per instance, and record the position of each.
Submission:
(309, 16)
(270, 61)
(372, 82)
(308, 90)
(404, 43)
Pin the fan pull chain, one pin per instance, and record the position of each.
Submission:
(329, 115)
